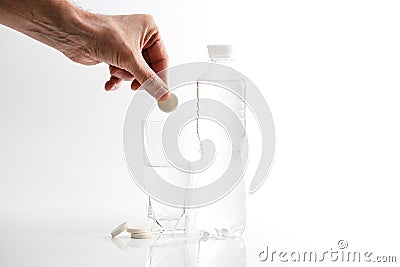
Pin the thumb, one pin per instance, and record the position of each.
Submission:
(148, 79)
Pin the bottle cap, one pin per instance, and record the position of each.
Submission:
(220, 51)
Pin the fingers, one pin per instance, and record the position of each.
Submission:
(117, 77)
(148, 79)
(151, 60)
(135, 85)
(157, 56)
(142, 67)
(120, 73)
(113, 84)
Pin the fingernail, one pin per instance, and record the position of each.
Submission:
(115, 87)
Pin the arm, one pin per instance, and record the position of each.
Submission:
(130, 44)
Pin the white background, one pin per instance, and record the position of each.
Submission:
(329, 71)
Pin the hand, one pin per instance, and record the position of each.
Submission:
(130, 44)
(133, 48)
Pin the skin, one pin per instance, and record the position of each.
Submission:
(130, 44)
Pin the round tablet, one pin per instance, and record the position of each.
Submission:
(120, 228)
(141, 235)
(136, 230)
(170, 104)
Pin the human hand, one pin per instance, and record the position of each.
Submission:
(130, 44)
(145, 55)
(135, 52)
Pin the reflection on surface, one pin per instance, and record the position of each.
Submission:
(183, 251)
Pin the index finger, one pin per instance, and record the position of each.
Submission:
(157, 57)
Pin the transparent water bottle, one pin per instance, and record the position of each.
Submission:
(226, 217)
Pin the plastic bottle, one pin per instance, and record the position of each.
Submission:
(226, 217)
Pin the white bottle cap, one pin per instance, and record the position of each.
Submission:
(220, 51)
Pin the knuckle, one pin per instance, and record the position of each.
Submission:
(148, 19)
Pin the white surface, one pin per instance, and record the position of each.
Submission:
(329, 72)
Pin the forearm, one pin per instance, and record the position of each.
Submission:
(54, 22)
